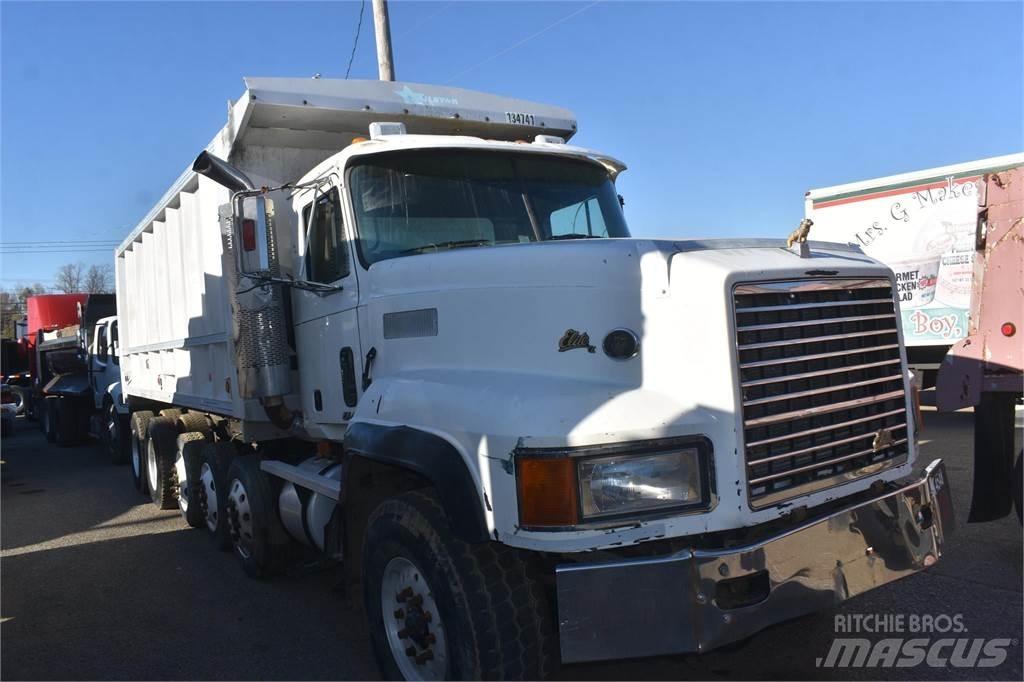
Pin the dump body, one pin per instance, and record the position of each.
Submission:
(922, 225)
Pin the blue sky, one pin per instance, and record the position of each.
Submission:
(726, 113)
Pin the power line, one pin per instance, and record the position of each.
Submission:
(66, 241)
(355, 43)
(525, 40)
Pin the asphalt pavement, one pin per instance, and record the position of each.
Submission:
(96, 583)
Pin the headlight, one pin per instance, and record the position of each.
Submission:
(565, 488)
(639, 483)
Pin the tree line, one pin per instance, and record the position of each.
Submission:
(70, 278)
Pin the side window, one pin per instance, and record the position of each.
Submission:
(114, 346)
(326, 250)
(582, 218)
(101, 343)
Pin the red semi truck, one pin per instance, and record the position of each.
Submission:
(46, 313)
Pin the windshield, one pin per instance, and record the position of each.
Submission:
(423, 201)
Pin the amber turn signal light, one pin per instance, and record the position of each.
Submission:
(547, 492)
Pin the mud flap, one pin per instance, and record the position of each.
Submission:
(992, 496)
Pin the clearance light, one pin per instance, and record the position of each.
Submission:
(1008, 329)
(248, 235)
(547, 492)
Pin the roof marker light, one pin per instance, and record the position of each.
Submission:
(549, 139)
(380, 128)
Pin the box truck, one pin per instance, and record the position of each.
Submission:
(985, 370)
(406, 326)
(922, 225)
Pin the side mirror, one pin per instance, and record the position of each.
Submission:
(252, 228)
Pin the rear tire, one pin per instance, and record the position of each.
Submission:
(49, 421)
(187, 462)
(492, 618)
(212, 493)
(257, 536)
(67, 423)
(161, 449)
(195, 421)
(19, 399)
(1018, 486)
(137, 450)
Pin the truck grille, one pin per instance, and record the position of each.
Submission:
(821, 383)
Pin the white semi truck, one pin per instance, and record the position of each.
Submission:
(406, 326)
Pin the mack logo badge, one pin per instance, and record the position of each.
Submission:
(573, 339)
(883, 440)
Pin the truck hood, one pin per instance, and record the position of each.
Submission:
(500, 313)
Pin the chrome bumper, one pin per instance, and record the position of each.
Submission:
(687, 602)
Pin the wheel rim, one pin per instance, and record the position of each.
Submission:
(179, 467)
(136, 459)
(240, 519)
(412, 622)
(208, 496)
(151, 469)
(19, 400)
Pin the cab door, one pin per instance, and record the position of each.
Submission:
(326, 326)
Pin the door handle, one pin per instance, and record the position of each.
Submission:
(367, 365)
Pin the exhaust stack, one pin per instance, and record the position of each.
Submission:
(221, 172)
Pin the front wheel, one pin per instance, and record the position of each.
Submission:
(137, 452)
(115, 435)
(440, 608)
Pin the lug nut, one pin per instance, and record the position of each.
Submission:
(404, 594)
(410, 652)
(403, 633)
(430, 638)
(415, 601)
(428, 616)
(399, 614)
(427, 655)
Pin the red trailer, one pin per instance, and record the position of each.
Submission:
(986, 369)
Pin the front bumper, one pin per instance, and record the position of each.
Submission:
(696, 600)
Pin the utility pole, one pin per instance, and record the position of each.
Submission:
(382, 30)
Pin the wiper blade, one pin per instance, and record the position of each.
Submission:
(571, 235)
(446, 245)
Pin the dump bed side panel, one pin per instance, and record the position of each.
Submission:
(172, 301)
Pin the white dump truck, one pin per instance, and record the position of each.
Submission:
(406, 326)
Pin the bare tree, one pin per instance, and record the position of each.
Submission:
(69, 278)
(99, 279)
(13, 306)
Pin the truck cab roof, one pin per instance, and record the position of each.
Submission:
(403, 142)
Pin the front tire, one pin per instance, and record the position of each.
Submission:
(137, 452)
(115, 435)
(161, 448)
(482, 603)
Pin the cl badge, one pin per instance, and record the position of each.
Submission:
(573, 339)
